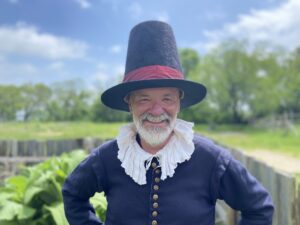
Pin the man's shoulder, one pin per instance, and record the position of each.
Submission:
(107, 148)
(209, 148)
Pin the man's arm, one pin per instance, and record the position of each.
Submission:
(243, 192)
(80, 185)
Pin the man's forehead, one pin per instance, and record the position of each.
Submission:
(162, 91)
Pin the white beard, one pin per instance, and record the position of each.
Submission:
(154, 136)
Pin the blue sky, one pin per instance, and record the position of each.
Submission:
(56, 40)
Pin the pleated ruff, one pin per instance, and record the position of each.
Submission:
(179, 149)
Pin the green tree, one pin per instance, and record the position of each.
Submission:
(293, 82)
(200, 113)
(10, 102)
(70, 102)
(34, 100)
(101, 113)
(190, 61)
(269, 92)
(229, 72)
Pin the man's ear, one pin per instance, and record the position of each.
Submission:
(181, 94)
(126, 99)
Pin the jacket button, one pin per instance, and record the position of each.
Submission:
(155, 187)
(155, 205)
(154, 165)
(154, 222)
(154, 213)
(155, 197)
(157, 179)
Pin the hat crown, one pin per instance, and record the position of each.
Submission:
(152, 43)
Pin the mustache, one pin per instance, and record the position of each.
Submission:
(155, 119)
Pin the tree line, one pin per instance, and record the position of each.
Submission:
(244, 83)
(64, 101)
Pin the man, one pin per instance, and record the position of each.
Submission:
(157, 171)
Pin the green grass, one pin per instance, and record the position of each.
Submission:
(241, 137)
(57, 130)
(250, 138)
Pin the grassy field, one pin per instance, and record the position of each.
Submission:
(57, 130)
(250, 138)
(241, 137)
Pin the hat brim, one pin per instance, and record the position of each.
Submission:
(114, 96)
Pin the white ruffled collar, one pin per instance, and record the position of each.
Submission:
(133, 157)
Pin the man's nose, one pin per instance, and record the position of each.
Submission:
(156, 109)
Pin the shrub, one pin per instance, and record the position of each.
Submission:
(34, 196)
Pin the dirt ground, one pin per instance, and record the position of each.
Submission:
(279, 161)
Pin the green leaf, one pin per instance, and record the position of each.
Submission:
(100, 205)
(25, 212)
(57, 213)
(11, 210)
(5, 222)
(31, 192)
(19, 182)
(6, 194)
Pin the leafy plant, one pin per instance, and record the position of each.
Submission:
(34, 196)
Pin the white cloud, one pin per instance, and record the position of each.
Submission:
(23, 39)
(278, 26)
(115, 49)
(85, 4)
(135, 10)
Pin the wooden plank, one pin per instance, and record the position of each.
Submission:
(22, 159)
(296, 212)
(286, 197)
(3, 148)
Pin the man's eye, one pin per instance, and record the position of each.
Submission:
(144, 100)
(167, 99)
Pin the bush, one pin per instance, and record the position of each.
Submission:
(34, 196)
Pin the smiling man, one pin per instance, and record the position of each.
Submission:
(157, 171)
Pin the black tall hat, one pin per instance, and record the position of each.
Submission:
(152, 62)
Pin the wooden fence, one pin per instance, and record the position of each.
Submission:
(14, 153)
(283, 187)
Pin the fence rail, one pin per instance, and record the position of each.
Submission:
(13, 152)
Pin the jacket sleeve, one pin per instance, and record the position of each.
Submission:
(79, 186)
(241, 191)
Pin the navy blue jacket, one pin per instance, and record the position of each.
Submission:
(187, 198)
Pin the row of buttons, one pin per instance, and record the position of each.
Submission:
(155, 195)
